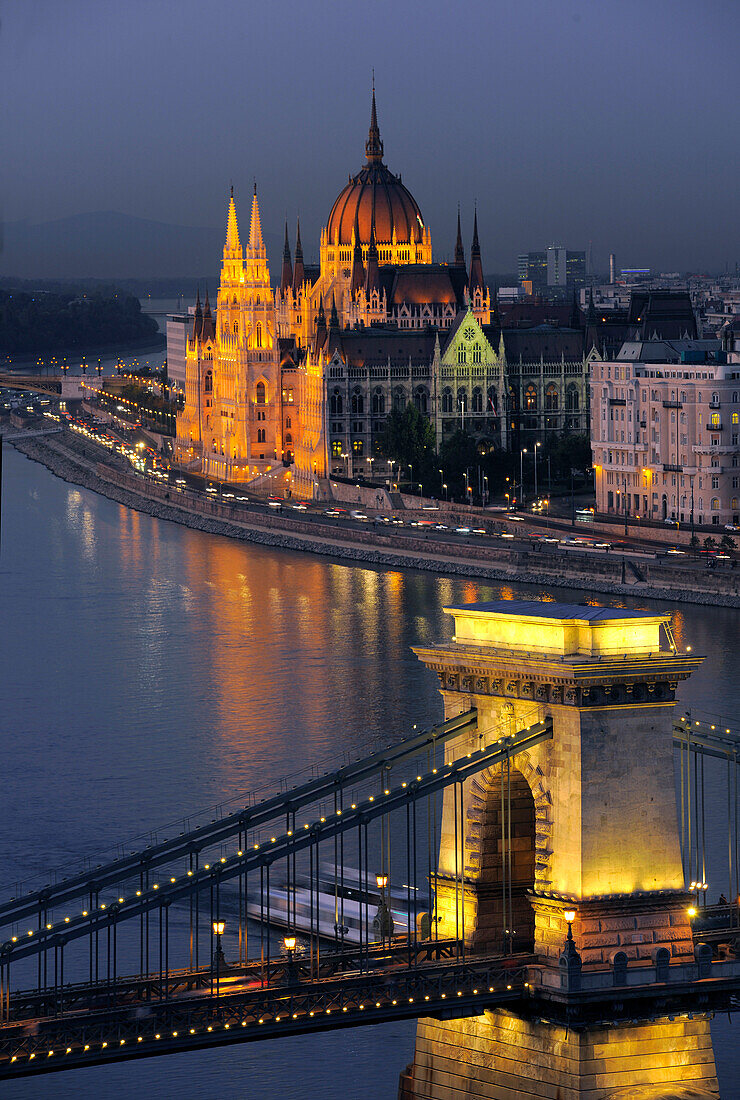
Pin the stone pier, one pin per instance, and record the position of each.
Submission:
(585, 822)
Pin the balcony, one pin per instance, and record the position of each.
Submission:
(673, 404)
(672, 467)
(715, 427)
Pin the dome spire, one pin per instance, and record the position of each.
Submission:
(373, 145)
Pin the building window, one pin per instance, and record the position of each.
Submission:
(399, 399)
(572, 399)
(492, 399)
(421, 399)
(530, 399)
(378, 403)
(715, 504)
(551, 399)
(447, 400)
(260, 435)
(477, 403)
(357, 446)
(336, 403)
(336, 448)
(261, 393)
(476, 353)
(288, 422)
(258, 336)
(358, 403)
(461, 355)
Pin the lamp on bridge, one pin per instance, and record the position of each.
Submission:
(383, 919)
(570, 916)
(289, 943)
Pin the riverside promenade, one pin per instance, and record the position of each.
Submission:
(524, 561)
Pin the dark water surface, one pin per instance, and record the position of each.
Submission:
(149, 671)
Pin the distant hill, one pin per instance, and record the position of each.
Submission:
(111, 245)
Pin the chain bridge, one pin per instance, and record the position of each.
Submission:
(523, 878)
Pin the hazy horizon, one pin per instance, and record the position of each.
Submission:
(605, 125)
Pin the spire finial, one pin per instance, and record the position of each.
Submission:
(255, 184)
(232, 189)
(373, 145)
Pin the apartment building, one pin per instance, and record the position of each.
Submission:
(665, 431)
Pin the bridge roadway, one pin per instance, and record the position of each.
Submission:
(141, 1017)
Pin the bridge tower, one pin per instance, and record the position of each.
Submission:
(587, 822)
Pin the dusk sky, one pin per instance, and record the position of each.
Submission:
(611, 121)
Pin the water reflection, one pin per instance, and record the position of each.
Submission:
(151, 670)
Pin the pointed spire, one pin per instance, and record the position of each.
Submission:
(232, 229)
(575, 312)
(475, 281)
(320, 326)
(373, 145)
(372, 279)
(286, 278)
(299, 274)
(333, 316)
(256, 243)
(459, 250)
(208, 331)
(358, 269)
(198, 319)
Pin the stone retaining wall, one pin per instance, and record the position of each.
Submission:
(380, 548)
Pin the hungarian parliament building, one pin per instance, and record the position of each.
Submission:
(303, 375)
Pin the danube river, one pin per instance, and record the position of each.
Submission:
(150, 670)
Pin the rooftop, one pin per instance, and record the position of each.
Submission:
(546, 609)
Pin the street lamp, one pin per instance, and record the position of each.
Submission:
(383, 919)
(289, 942)
(444, 486)
(521, 476)
(218, 958)
(485, 490)
(538, 444)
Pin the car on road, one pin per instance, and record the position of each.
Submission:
(731, 527)
(300, 507)
(354, 514)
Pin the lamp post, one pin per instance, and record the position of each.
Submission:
(485, 490)
(538, 444)
(521, 477)
(446, 493)
(441, 479)
(218, 957)
(289, 943)
(383, 920)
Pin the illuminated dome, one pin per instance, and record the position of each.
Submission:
(375, 196)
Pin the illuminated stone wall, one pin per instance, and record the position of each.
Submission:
(498, 1056)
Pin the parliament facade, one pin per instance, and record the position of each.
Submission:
(303, 375)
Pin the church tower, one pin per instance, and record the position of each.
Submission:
(230, 424)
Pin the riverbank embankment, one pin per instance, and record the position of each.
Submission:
(539, 565)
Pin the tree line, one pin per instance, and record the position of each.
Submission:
(40, 322)
(408, 438)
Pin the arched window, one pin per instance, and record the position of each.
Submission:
(462, 400)
(447, 400)
(421, 399)
(399, 399)
(476, 353)
(258, 336)
(236, 327)
(261, 393)
(358, 403)
(715, 504)
(513, 399)
(683, 397)
(209, 382)
(571, 398)
(288, 438)
(492, 400)
(337, 404)
(357, 446)
(461, 355)
(530, 399)
(551, 398)
(477, 402)
(260, 435)
(378, 402)
(715, 399)
(288, 422)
